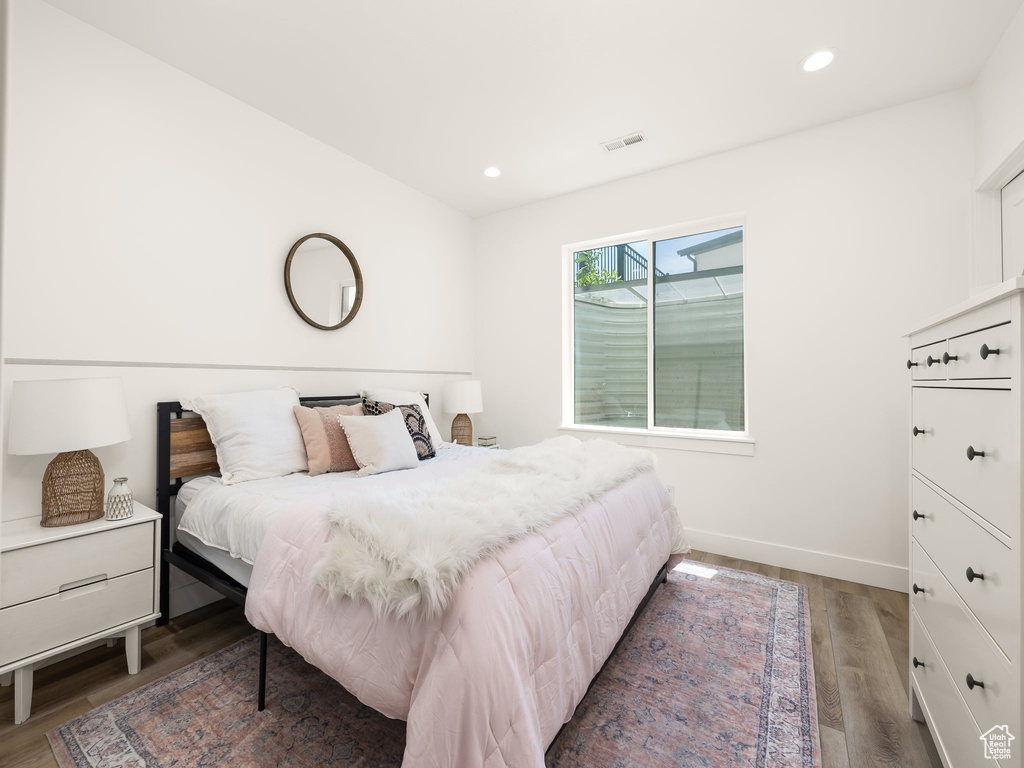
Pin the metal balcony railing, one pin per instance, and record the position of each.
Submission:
(622, 260)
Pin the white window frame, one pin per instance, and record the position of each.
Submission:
(707, 440)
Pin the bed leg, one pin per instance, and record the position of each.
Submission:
(664, 573)
(262, 695)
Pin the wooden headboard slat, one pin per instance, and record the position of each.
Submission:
(192, 451)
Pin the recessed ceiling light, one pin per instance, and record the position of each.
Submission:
(492, 172)
(817, 60)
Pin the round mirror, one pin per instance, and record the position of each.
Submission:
(323, 281)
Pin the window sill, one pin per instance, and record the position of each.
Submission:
(738, 445)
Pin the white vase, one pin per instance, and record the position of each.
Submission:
(119, 500)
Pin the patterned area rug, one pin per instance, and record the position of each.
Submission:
(716, 672)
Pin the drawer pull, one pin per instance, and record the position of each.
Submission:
(972, 683)
(918, 589)
(918, 663)
(932, 361)
(972, 574)
(986, 351)
(82, 582)
(918, 431)
(918, 515)
(948, 358)
(85, 589)
(971, 453)
(911, 364)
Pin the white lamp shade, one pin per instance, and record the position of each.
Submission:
(59, 415)
(463, 397)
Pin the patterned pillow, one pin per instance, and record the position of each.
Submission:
(414, 422)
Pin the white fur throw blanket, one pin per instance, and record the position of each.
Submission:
(404, 550)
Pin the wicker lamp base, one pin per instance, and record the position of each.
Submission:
(462, 430)
(72, 489)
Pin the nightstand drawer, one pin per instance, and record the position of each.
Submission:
(42, 570)
(40, 625)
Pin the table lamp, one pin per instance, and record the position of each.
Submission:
(462, 397)
(68, 417)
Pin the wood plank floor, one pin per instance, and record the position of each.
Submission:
(859, 636)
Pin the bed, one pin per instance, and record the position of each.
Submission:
(489, 682)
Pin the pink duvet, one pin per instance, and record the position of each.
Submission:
(491, 681)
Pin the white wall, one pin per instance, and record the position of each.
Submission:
(854, 231)
(999, 106)
(999, 151)
(149, 216)
(5, 10)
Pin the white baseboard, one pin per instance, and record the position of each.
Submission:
(868, 572)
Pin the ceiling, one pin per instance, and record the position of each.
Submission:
(431, 93)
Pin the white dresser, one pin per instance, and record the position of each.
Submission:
(64, 588)
(965, 372)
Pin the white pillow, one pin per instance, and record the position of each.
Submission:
(255, 433)
(380, 443)
(406, 397)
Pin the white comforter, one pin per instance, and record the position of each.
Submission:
(235, 518)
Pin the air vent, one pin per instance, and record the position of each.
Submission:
(624, 141)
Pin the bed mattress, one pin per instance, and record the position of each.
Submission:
(237, 569)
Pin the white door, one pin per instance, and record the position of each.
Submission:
(1013, 228)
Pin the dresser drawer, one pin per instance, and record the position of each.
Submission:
(956, 734)
(929, 362)
(997, 346)
(44, 569)
(40, 625)
(956, 543)
(962, 646)
(955, 420)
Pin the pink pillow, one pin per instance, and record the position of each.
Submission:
(327, 448)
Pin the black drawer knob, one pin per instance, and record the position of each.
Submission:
(932, 361)
(918, 589)
(917, 431)
(986, 351)
(972, 683)
(972, 574)
(948, 358)
(911, 364)
(918, 515)
(918, 663)
(972, 454)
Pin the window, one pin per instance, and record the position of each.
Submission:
(672, 364)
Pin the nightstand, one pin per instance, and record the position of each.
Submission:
(62, 588)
